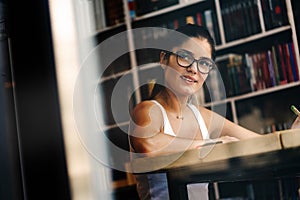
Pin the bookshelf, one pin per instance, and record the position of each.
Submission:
(260, 29)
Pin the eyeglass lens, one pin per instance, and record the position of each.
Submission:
(185, 59)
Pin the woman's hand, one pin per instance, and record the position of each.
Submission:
(296, 123)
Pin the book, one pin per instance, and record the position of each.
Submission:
(189, 20)
(282, 62)
(293, 61)
(288, 62)
(225, 12)
(272, 72)
(209, 23)
(275, 13)
(131, 8)
(222, 64)
(275, 65)
(254, 16)
(278, 13)
(199, 19)
(250, 66)
(258, 69)
(267, 77)
(175, 24)
(147, 6)
(243, 76)
(235, 74)
(246, 12)
(240, 19)
(216, 28)
(114, 13)
(266, 13)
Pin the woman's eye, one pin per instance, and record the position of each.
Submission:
(203, 63)
(186, 57)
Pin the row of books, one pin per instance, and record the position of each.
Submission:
(114, 12)
(205, 18)
(275, 66)
(232, 78)
(241, 74)
(275, 13)
(240, 18)
(271, 128)
(142, 7)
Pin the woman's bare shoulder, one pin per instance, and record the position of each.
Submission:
(142, 111)
(204, 110)
(144, 104)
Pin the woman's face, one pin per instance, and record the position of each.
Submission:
(186, 81)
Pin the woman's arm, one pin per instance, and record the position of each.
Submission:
(146, 134)
(219, 126)
(161, 144)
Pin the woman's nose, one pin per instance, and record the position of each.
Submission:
(193, 68)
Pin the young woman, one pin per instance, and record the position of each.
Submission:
(169, 122)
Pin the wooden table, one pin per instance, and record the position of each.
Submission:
(270, 156)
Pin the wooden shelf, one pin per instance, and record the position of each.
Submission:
(168, 9)
(254, 94)
(252, 38)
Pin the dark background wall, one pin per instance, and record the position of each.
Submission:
(33, 163)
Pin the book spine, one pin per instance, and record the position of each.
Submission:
(246, 15)
(225, 11)
(288, 62)
(243, 77)
(265, 69)
(282, 62)
(266, 13)
(271, 68)
(282, 76)
(255, 62)
(278, 13)
(209, 23)
(254, 16)
(293, 62)
(199, 18)
(275, 65)
(249, 63)
(189, 20)
(131, 9)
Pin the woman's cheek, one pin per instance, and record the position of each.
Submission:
(202, 78)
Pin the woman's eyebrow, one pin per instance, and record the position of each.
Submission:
(187, 51)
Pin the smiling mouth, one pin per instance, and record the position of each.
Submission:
(188, 79)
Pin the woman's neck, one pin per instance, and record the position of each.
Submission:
(171, 101)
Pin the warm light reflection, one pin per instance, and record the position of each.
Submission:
(88, 179)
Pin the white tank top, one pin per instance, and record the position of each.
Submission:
(155, 186)
(168, 128)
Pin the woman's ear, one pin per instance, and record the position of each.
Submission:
(163, 57)
(163, 60)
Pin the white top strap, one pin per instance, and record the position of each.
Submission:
(200, 120)
(167, 126)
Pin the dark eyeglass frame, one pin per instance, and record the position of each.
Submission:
(210, 67)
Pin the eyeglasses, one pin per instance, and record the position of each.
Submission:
(185, 59)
